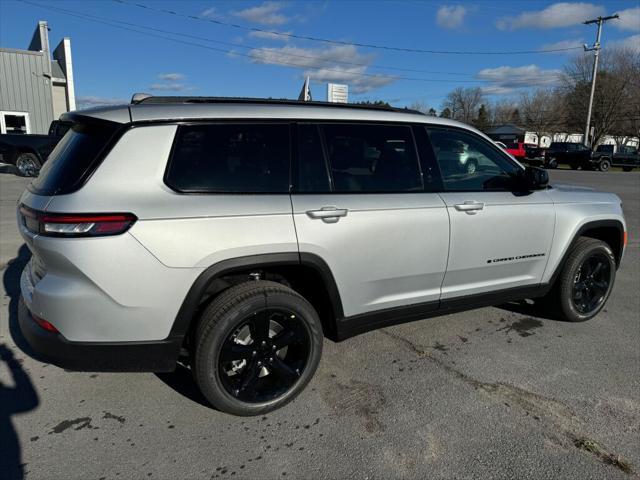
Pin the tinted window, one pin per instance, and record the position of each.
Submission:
(372, 158)
(469, 163)
(312, 174)
(231, 158)
(73, 159)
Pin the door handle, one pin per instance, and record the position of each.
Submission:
(470, 207)
(328, 214)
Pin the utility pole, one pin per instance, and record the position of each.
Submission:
(596, 49)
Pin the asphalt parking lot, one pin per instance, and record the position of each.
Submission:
(494, 392)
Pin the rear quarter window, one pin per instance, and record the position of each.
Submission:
(230, 158)
(74, 158)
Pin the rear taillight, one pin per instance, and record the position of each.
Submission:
(76, 224)
(49, 327)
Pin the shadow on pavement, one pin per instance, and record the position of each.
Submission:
(10, 169)
(531, 308)
(20, 398)
(11, 281)
(181, 380)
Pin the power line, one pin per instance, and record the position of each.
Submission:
(136, 28)
(340, 42)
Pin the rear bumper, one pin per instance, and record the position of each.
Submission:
(150, 356)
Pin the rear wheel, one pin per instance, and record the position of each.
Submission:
(552, 163)
(627, 169)
(604, 165)
(257, 346)
(574, 166)
(28, 164)
(586, 280)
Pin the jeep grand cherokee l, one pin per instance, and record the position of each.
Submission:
(237, 234)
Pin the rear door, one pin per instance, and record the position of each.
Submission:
(363, 204)
(500, 236)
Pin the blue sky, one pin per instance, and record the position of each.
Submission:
(181, 55)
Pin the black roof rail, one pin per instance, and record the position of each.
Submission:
(146, 99)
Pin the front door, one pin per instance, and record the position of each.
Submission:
(360, 204)
(500, 235)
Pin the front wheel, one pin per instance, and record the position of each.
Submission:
(257, 346)
(552, 163)
(586, 280)
(604, 165)
(28, 164)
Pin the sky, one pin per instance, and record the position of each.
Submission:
(398, 51)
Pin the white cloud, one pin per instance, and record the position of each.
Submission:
(211, 12)
(324, 65)
(89, 101)
(171, 77)
(270, 36)
(268, 13)
(451, 16)
(505, 79)
(562, 14)
(563, 44)
(632, 43)
(629, 19)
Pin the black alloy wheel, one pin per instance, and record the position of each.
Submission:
(591, 283)
(265, 356)
(585, 281)
(257, 345)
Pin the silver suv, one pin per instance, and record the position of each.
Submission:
(234, 235)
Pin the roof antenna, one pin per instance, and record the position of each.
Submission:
(139, 98)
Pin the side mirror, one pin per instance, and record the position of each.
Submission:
(536, 178)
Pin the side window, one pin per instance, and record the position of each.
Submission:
(469, 163)
(372, 158)
(230, 158)
(312, 174)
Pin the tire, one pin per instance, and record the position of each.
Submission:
(604, 165)
(241, 387)
(566, 301)
(627, 169)
(28, 164)
(552, 163)
(574, 166)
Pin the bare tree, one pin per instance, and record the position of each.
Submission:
(421, 107)
(464, 103)
(539, 112)
(502, 111)
(614, 98)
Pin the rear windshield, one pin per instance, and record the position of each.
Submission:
(74, 158)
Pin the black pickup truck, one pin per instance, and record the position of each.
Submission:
(626, 157)
(574, 154)
(29, 152)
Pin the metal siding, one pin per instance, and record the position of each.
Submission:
(24, 88)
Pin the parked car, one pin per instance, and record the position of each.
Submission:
(233, 235)
(534, 153)
(626, 157)
(575, 155)
(29, 152)
(517, 150)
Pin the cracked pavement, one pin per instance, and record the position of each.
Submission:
(490, 393)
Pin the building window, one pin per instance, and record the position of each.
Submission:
(15, 123)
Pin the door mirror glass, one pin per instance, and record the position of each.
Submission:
(536, 178)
